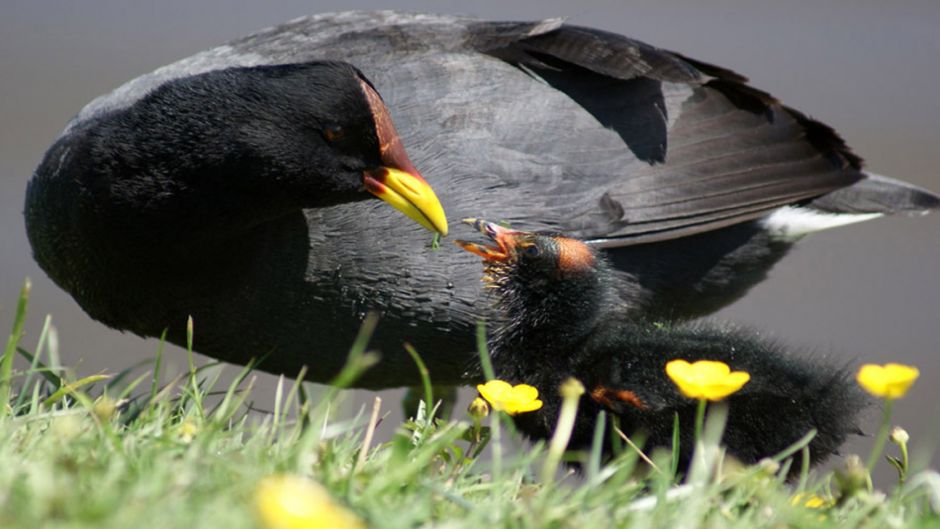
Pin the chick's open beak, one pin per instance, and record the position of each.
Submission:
(397, 181)
(503, 237)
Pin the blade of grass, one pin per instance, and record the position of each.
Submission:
(33, 364)
(597, 447)
(674, 464)
(795, 447)
(615, 443)
(370, 432)
(804, 467)
(425, 374)
(6, 363)
(295, 393)
(52, 352)
(118, 378)
(73, 387)
(45, 371)
(417, 463)
(157, 367)
(195, 388)
(239, 401)
(278, 402)
(131, 386)
(483, 350)
(358, 359)
(224, 411)
(638, 451)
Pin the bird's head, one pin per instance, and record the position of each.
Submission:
(360, 140)
(324, 125)
(551, 288)
(531, 262)
(241, 142)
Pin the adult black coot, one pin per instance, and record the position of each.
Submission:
(565, 317)
(694, 182)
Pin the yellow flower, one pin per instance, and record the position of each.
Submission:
(511, 399)
(187, 431)
(291, 502)
(705, 379)
(811, 501)
(890, 381)
(478, 409)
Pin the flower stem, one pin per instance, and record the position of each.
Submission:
(698, 470)
(571, 391)
(495, 438)
(882, 436)
(699, 420)
(905, 464)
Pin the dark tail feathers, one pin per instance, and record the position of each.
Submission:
(878, 194)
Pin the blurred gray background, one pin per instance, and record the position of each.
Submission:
(867, 67)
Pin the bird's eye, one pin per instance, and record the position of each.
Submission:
(334, 133)
(531, 251)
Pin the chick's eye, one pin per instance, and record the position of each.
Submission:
(531, 251)
(334, 133)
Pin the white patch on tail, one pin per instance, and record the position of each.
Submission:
(791, 222)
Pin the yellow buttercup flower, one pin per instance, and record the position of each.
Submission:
(705, 379)
(513, 400)
(890, 381)
(292, 502)
(811, 501)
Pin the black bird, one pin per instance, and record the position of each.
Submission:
(694, 182)
(191, 199)
(564, 316)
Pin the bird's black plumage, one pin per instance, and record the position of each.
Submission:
(564, 316)
(674, 166)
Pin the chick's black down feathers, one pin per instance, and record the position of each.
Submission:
(786, 397)
(563, 317)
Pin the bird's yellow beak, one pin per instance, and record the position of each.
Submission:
(410, 194)
(397, 181)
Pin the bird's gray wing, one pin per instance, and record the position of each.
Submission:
(715, 151)
(547, 125)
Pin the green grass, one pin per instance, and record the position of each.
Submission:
(128, 451)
